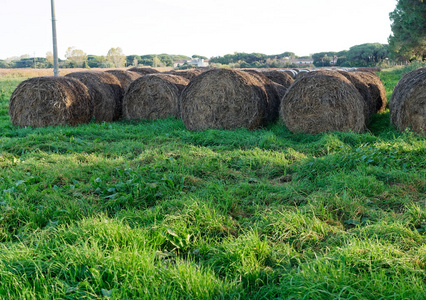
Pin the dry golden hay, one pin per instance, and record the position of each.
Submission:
(49, 101)
(225, 99)
(323, 101)
(408, 102)
(364, 90)
(125, 77)
(279, 77)
(106, 93)
(154, 96)
(143, 71)
(272, 93)
(377, 89)
(188, 74)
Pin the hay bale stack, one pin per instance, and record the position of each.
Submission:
(323, 101)
(224, 98)
(408, 102)
(50, 101)
(364, 90)
(154, 96)
(143, 71)
(125, 77)
(106, 93)
(377, 89)
(272, 93)
(188, 74)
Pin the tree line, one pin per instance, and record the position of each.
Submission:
(77, 58)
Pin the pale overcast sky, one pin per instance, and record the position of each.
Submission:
(204, 27)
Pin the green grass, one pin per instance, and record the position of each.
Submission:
(149, 210)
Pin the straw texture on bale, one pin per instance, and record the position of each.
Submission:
(408, 102)
(323, 101)
(377, 89)
(291, 73)
(364, 90)
(224, 98)
(50, 101)
(125, 77)
(273, 97)
(279, 77)
(143, 71)
(154, 96)
(106, 93)
(188, 74)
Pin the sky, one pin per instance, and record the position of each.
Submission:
(188, 27)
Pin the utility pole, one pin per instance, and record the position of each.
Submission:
(55, 45)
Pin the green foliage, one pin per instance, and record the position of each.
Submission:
(364, 55)
(150, 210)
(408, 39)
(4, 64)
(253, 60)
(198, 56)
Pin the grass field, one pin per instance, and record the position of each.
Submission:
(150, 210)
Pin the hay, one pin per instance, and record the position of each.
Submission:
(154, 96)
(106, 93)
(50, 101)
(125, 77)
(377, 89)
(408, 102)
(292, 73)
(279, 77)
(143, 71)
(224, 98)
(364, 90)
(272, 93)
(323, 101)
(188, 74)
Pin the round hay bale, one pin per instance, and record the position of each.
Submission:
(272, 93)
(154, 96)
(279, 77)
(125, 77)
(225, 99)
(302, 73)
(408, 102)
(50, 101)
(377, 89)
(106, 93)
(291, 73)
(143, 71)
(364, 90)
(323, 101)
(188, 74)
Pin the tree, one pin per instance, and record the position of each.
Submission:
(408, 39)
(116, 57)
(370, 54)
(323, 59)
(132, 60)
(75, 57)
(49, 59)
(198, 56)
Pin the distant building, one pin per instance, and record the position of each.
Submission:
(199, 62)
(302, 61)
